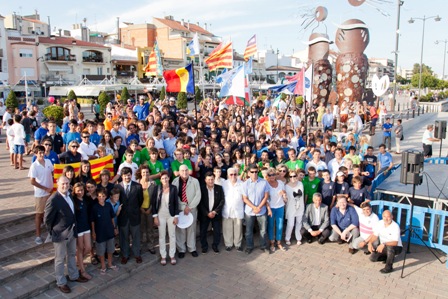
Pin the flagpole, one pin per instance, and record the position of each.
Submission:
(195, 109)
(306, 117)
(281, 120)
(202, 77)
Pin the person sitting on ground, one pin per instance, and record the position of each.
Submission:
(316, 221)
(388, 232)
(344, 221)
(367, 221)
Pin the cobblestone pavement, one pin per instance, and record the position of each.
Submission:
(307, 271)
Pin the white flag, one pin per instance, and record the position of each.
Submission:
(193, 46)
(234, 85)
(308, 84)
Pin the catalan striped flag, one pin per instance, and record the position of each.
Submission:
(266, 122)
(180, 80)
(221, 57)
(251, 48)
(95, 166)
(154, 66)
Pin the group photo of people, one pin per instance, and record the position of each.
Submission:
(271, 176)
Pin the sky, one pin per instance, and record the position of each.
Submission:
(277, 23)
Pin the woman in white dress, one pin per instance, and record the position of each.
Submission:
(295, 207)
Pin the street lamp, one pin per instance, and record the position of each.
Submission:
(411, 21)
(444, 55)
(277, 66)
(397, 37)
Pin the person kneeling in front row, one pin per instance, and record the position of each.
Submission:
(316, 222)
(388, 233)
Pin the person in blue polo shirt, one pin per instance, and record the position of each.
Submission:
(142, 108)
(385, 160)
(344, 221)
(47, 142)
(387, 133)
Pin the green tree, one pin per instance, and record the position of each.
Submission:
(425, 69)
(103, 100)
(55, 112)
(197, 94)
(72, 95)
(124, 95)
(428, 80)
(11, 100)
(401, 80)
(182, 100)
(162, 93)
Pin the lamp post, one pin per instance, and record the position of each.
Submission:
(277, 67)
(444, 55)
(397, 38)
(411, 21)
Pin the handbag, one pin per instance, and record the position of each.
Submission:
(402, 137)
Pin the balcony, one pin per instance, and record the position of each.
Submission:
(62, 58)
(93, 59)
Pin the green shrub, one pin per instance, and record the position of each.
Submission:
(55, 112)
(124, 96)
(72, 95)
(11, 100)
(182, 100)
(197, 94)
(299, 100)
(40, 102)
(103, 100)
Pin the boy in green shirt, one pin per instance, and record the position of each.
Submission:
(175, 165)
(310, 184)
(137, 158)
(155, 166)
(294, 163)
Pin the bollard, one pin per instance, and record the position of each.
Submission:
(418, 111)
(398, 107)
(413, 113)
(407, 115)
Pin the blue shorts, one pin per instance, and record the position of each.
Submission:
(28, 138)
(19, 149)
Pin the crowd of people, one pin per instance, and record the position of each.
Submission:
(218, 165)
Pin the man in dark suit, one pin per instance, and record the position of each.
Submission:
(210, 207)
(131, 198)
(59, 217)
(316, 221)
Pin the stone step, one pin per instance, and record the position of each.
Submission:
(41, 283)
(21, 264)
(18, 231)
(20, 246)
(14, 220)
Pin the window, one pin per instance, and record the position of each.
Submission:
(60, 54)
(26, 53)
(107, 70)
(99, 70)
(1, 69)
(92, 56)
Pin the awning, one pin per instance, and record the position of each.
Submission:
(58, 67)
(58, 91)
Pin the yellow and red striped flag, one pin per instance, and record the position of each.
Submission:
(266, 122)
(251, 48)
(154, 66)
(95, 167)
(221, 57)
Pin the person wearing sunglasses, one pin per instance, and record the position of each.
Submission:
(48, 154)
(295, 207)
(255, 196)
(72, 155)
(87, 149)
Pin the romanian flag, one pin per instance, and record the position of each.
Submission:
(266, 122)
(154, 66)
(180, 80)
(95, 167)
(251, 48)
(221, 57)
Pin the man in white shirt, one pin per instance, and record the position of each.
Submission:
(17, 131)
(233, 211)
(317, 163)
(41, 177)
(427, 140)
(388, 232)
(335, 163)
(87, 149)
(367, 221)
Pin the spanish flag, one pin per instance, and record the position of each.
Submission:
(95, 167)
(251, 48)
(180, 80)
(221, 57)
(266, 122)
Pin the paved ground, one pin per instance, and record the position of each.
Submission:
(308, 271)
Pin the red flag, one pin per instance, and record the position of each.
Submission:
(299, 86)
